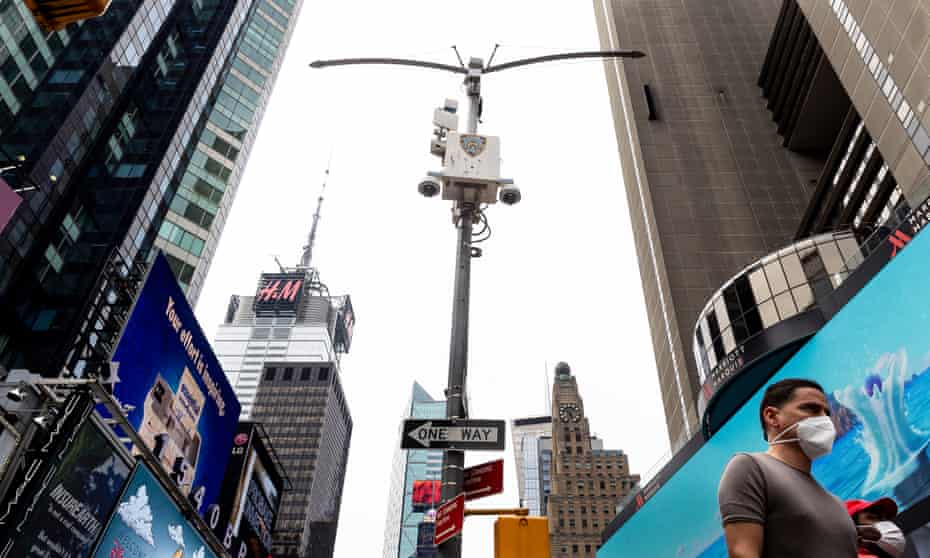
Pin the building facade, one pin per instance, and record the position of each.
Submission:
(413, 497)
(99, 124)
(750, 126)
(588, 483)
(280, 349)
(533, 461)
(221, 145)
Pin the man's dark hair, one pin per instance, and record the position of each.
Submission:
(779, 393)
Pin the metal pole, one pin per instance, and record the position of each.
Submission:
(453, 465)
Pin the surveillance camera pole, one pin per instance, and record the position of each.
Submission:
(465, 213)
(453, 462)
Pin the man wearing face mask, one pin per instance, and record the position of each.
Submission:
(879, 537)
(770, 504)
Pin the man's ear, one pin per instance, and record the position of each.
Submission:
(770, 417)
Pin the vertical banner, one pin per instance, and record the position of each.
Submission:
(148, 524)
(180, 401)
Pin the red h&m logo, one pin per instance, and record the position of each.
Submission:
(117, 550)
(274, 290)
(898, 240)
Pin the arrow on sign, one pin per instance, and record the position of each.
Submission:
(426, 433)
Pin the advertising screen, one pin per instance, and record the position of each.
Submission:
(426, 494)
(181, 403)
(9, 201)
(148, 524)
(251, 493)
(71, 511)
(279, 293)
(873, 360)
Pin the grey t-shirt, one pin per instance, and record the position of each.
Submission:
(800, 519)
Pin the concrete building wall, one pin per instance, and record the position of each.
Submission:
(879, 49)
(709, 186)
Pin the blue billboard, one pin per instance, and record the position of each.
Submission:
(178, 397)
(873, 360)
(148, 524)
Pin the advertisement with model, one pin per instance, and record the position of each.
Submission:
(873, 360)
(251, 495)
(178, 397)
(68, 516)
(148, 524)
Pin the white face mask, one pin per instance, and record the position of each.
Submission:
(815, 436)
(892, 541)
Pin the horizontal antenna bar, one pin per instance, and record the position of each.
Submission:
(566, 56)
(390, 61)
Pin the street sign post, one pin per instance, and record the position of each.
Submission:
(484, 480)
(452, 434)
(450, 517)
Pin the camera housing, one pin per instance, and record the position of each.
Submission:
(429, 187)
(510, 195)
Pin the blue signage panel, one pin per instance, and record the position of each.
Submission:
(181, 402)
(148, 524)
(873, 360)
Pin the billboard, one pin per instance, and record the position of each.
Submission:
(345, 325)
(873, 360)
(179, 399)
(279, 293)
(70, 512)
(148, 524)
(252, 494)
(426, 494)
(9, 201)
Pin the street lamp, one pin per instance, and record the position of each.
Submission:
(470, 179)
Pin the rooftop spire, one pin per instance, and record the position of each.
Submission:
(308, 249)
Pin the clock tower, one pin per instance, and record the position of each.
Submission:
(587, 481)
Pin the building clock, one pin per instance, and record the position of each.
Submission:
(569, 413)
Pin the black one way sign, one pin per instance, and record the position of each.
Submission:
(453, 434)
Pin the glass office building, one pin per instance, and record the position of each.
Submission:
(405, 517)
(208, 182)
(532, 457)
(104, 122)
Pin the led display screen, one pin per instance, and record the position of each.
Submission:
(873, 360)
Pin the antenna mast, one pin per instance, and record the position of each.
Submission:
(311, 240)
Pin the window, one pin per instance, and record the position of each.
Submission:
(324, 374)
(288, 374)
(305, 374)
(269, 374)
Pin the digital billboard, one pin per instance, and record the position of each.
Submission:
(9, 201)
(426, 494)
(148, 524)
(178, 397)
(251, 496)
(279, 293)
(873, 360)
(70, 512)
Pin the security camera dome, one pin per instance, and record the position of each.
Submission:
(562, 369)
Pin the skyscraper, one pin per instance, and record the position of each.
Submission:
(532, 451)
(588, 482)
(221, 145)
(749, 127)
(101, 125)
(415, 476)
(280, 349)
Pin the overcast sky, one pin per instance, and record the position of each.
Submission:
(558, 280)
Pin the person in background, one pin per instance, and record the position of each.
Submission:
(879, 537)
(770, 504)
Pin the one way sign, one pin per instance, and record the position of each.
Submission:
(453, 434)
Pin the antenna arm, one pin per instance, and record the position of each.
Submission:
(390, 61)
(566, 56)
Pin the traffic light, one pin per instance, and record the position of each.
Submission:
(53, 15)
(521, 537)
